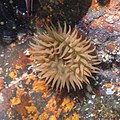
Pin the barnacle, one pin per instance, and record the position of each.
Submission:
(63, 58)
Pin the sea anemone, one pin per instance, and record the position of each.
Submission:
(63, 58)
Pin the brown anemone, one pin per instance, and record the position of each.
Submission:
(62, 58)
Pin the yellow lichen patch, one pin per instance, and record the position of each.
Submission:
(67, 104)
(32, 111)
(57, 112)
(43, 116)
(56, 105)
(35, 117)
(52, 106)
(20, 92)
(18, 66)
(13, 74)
(30, 77)
(15, 101)
(25, 101)
(75, 116)
(46, 94)
(39, 86)
(52, 117)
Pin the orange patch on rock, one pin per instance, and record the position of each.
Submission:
(13, 74)
(25, 101)
(52, 107)
(52, 117)
(30, 77)
(15, 101)
(75, 116)
(111, 46)
(67, 104)
(18, 66)
(22, 62)
(40, 86)
(12, 44)
(43, 116)
(108, 85)
(1, 82)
